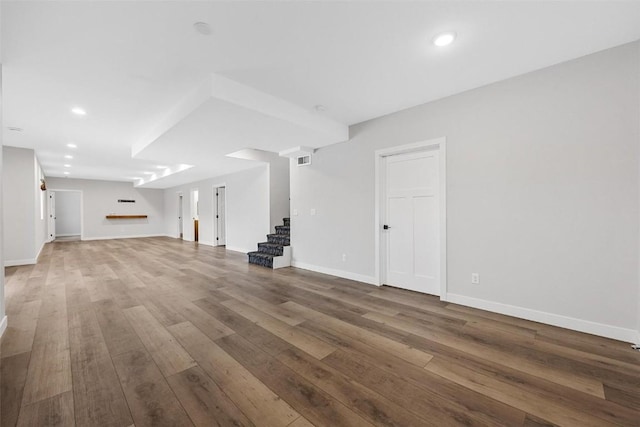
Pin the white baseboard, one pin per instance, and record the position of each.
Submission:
(136, 236)
(587, 326)
(67, 235)
(17, 262)
(3, 326)
(333, 272)
(244, 251)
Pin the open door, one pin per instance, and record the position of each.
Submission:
(52, 216)
(220, 216)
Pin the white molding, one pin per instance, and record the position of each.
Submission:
(17, 262)
(242, 250)
(580, 325)
(370, 280)
(439, 144)
(40, 251)
(67, 235)
(136, 236)
(206, 243)
(3, 326)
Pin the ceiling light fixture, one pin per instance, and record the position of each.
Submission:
(444, 39)
(67, 165)
(72, 145)
(202, 28)
(68, 156)
(78, 111)
(66, 173)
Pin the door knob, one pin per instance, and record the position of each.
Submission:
(386, 227)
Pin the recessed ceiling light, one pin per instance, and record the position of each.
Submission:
(15, 129)
(66, 173)
(320, 108)
(78, 111)
(444, 39)
(67, 165)
(68, 156)
(203, 28)
(72, 145)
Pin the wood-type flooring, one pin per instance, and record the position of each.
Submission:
(161, 332)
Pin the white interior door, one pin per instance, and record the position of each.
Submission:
(52, 216)
(180, 221)
(221, 238)
(412, 221)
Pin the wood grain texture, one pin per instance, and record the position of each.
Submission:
(157, 331)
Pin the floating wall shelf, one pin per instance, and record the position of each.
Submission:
(125, 216)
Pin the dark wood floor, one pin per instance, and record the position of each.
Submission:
(160, 332)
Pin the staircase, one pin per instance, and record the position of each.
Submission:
(275, 252)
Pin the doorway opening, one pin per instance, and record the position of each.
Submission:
(180, 222)
(194, 213)
(65, 215)
(410, 221)
(220, 216)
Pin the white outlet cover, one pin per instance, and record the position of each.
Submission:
(295, 212)
(313, 211)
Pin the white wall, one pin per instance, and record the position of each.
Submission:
(100, 198)
(3, 318)
(247, 202)
(542, 193)
(68, 211)
(19, 206)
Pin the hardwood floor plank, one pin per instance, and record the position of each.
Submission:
(51, 412)
(403, 351)
(13, 375)
(49, 371)
(97, 393)
(150, 399)
(278, 312)
(21, 329)
(257, 401)
(170, 357)
(205, 403)
(116, 330)
(295, 337)
(581, 383)
(515, 396)
(314, 404)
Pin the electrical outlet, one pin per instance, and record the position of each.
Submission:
(475, 279)
(295, 212)
(344, 257)
(313, 211)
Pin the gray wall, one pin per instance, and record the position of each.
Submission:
(19, 205)
(100, 198)
(68, 211)
(2, 305)
(247, 201)
(542, 190)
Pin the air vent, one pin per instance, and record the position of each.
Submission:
(304, 160)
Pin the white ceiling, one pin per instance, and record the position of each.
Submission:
(129, 64)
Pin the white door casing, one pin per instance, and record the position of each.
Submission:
(411, 200)
(221, 216)
(52, 216)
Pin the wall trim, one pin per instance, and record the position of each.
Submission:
(580, 325)
(135, 236)
(40, 251)
(244, 251)
(3, 326)
(17, 262)
(370, 280)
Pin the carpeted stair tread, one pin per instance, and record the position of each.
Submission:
(283, 229)
(282, 239)
(271, 248)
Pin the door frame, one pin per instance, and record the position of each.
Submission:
(59, 190)
(380, 192)
(215, 209)
(180, 234)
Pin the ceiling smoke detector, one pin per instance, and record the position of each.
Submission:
(203, 28)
